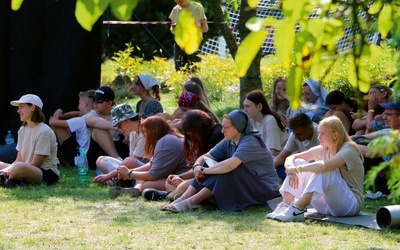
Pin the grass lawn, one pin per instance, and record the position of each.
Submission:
(66, 216)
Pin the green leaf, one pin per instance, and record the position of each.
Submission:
(375, 7)
(256, 24)
(252, 3)
(284, 42)
(385, 22)
(352, 74)
(87, 12)
(293, 86)
(122, 9)
(16, 4)
(248, 50)
(187, 33)
(316, 26)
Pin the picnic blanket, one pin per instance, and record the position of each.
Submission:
(364, 219)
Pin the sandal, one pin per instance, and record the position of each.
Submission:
(182, 207)
(165, 207)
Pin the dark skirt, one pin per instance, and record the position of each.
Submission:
(238, 189)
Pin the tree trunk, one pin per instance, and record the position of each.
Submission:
(252, 80)
(223, 26)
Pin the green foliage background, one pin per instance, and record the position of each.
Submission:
(220, 75)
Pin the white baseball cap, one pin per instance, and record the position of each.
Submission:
(29, 98)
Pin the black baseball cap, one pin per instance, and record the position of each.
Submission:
(105, 93)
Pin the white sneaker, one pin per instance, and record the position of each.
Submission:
(291, 214)
(279, 209)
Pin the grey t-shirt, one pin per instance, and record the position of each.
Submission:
(254, 157)
(168, 157)
(293, 145)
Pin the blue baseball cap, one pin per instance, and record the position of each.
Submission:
(391, 105)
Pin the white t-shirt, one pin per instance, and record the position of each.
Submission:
(293, 145)
(137, 142)
(39, 140)
(271, 134)
(78, 125)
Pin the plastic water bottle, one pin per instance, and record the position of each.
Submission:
(9, 138)
(83, 169)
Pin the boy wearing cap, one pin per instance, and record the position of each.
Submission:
(129, 122)
(71, 129)
(36, 160)
(391, 116)
(105, 139)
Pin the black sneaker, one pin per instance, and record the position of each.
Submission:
(152, 194)
(114, 192)
(2, 180)
(12, 183)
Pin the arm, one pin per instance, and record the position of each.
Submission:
(220, 168)
(97, 122)
(37, 160)
(70, 114)
(203, 25)
(279, 160)
(290, 160)
(56, 122)
(320, 166)
(139, 173)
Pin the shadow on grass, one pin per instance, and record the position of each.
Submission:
(68, 186)
(126, 211)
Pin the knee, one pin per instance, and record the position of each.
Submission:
(130, 162)
(299, 162)
(18, 168)
(101, 161)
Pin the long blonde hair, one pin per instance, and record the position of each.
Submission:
(335, 124)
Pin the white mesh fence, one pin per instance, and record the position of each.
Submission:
(266, 8)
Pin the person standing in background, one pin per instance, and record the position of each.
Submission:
(182, 60)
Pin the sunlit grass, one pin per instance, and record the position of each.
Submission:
(66, 216)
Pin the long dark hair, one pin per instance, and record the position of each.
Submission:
(197, 127)
(257, 97)
(336, 97)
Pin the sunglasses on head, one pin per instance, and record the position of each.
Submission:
(100, 100)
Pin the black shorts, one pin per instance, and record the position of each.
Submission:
(69, 149)
(95, 151)
(49, 177)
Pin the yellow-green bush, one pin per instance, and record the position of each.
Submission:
(220, 75)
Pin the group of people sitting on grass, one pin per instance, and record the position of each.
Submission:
(189, 157)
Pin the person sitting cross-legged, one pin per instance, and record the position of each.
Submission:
(201, 135)
(165, 147)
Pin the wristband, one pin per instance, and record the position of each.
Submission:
(298, 169)
(195, 165)
(371, 111)
(128, 175)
